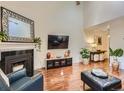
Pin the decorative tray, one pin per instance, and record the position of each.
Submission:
(99, 73)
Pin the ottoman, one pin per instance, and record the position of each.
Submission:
(99, 84)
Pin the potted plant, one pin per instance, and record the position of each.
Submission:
(37, 42)
(85, 53)
(3, 36)
(115, 54)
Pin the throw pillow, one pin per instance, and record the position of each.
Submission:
(6, 79)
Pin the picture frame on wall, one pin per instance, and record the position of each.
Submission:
(99, 40)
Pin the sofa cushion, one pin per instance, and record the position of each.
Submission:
(5, 78)
(14, 76)
(21, 84)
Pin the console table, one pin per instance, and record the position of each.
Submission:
(97, 56)
(58, 62)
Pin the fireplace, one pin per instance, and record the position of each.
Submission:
(14, 60)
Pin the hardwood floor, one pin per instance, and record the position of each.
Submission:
(68, 78)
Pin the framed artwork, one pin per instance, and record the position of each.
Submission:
(99, 40)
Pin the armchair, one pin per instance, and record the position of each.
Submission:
(19, 81)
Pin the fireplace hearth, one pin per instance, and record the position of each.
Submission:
(15, 60)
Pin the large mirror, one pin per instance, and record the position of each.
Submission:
(17, 27)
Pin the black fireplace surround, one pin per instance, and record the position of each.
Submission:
(12, 58)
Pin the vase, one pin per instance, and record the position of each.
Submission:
(115, 66)
(48, 55)
(85, 61)
(67, 53)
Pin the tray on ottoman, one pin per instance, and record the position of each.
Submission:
(100, 84)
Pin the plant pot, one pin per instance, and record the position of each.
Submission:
(85, 61)
(115, 66)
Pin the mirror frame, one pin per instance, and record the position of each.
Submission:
(5, 14)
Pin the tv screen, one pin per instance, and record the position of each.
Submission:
(58, 42)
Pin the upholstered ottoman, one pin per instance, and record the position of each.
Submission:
(99, 84)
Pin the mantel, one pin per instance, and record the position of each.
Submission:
(9, 46)
(12, 43)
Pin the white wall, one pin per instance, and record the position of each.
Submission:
(117, 37)
(116, 27)
(52, 18)
(97, 12)
(117, 33)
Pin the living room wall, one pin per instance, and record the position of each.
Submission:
(64, 18)
(96, 12)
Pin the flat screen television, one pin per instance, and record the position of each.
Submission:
(58, 42)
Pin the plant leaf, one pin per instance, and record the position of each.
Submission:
(118, 52)
(111, 52)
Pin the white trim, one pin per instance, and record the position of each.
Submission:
(4, 46)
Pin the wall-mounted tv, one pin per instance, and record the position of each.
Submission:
(58, 42)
